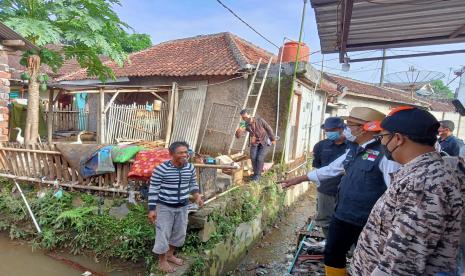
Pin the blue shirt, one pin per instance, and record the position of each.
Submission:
(325, 152)
(451, 145)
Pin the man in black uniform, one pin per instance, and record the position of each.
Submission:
(325, 152)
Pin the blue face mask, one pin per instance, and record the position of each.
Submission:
(333, 135)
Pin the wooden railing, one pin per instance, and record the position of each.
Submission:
(45, 164)
(68, 118)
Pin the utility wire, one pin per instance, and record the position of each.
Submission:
(247, 24)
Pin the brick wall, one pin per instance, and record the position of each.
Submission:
(4, 94)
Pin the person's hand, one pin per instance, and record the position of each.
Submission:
(152, 216)
(273, 142)
(292, 181)
(198, 200)
(239, 132)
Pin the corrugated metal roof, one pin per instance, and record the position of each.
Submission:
(8, 34)
(377, 24)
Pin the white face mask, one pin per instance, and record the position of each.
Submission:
(348, 134)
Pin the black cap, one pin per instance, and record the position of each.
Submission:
(410, 121)
(244, 111)
(333, 122)
(448, 124)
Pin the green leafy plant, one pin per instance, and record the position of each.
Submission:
(85, 30)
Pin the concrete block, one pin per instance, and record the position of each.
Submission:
(120, 211)
(208, 230)
(223, 182)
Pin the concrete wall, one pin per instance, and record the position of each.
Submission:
(310, 116)
(4, 94)
(353, 101)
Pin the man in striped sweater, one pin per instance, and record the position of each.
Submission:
(171, 185)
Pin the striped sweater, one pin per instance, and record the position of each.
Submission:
(171, 186)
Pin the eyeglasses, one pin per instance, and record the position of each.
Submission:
(378, 137)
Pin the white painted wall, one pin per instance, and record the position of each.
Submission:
(385, 107)
(311, 118)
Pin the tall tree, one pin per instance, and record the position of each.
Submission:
(135, 42)
(442, 89)
(86, 28)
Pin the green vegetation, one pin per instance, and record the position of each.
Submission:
(135, 42)
(79, 229)
(72, 222)
(442, 89)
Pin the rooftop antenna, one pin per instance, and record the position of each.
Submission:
(414, 81)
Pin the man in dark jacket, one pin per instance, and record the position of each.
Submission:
(261, 137)
(325, 152)
(448, 142)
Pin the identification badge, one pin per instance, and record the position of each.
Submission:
(370, 155)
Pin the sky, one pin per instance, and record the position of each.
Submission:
(276, 19)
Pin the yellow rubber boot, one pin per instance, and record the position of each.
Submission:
(332, 271)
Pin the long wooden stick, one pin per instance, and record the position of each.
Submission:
(70, 184)
(158, 97)
(111, 101)
(220, 195)
(170, 116)
(28, 207)
(30, 150)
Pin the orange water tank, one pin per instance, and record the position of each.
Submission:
(290, 52)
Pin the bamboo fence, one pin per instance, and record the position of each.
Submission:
(135, 122)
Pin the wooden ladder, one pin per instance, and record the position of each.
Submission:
(251, 100)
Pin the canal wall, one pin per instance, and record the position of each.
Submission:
(262, 203)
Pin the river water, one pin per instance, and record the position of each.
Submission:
(18, 259)
(271, 255)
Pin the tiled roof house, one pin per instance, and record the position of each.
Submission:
(222, 54)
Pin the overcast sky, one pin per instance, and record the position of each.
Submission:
(170, 19)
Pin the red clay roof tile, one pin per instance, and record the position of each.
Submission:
(207, 55)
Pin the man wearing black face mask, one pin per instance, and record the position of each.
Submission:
(325, 152)
(414, 228)
(366, 174)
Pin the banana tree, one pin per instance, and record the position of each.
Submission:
(85, 29)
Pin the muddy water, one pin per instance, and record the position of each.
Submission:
(18, 259)
(271, 255)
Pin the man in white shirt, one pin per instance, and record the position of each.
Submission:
(366, 175)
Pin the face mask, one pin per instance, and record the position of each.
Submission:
(333, 135)
(386, 151)
(348, 134)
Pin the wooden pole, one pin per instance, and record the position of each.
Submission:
(101, 117)
(50, 117)
(73, 184)
(111, 101)
(170, 115)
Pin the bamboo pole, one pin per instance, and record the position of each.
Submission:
(101, 117)
(69, 185)
(170, 116)
(30, 150)
(220, 195)
(50, 116)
